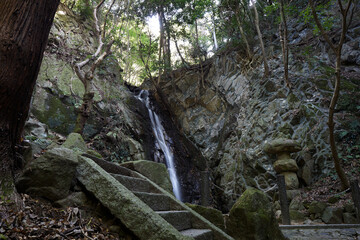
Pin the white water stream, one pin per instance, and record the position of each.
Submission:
(161, 137)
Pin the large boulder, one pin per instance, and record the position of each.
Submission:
(332, 215)
(156, 172)
(50, 175)
(252, 217)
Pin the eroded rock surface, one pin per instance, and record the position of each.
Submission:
(49, 176)
(252, 217)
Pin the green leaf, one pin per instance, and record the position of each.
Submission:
(343, 133)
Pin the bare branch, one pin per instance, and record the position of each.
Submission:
(344, 24)
(79, 73)
(102, 57)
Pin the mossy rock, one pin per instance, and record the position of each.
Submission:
(156, 172)
(293, 100)
(75, 141)
(317, 207)
(211, 214)
(94, 153)
(297, 216)
(49, 109)
(252, 217)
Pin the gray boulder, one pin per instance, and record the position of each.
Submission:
(317, 207)
(36, 128)
(50, 175)
(252, 217)
(332, 215)
(349, 218)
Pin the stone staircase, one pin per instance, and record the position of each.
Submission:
(163, 205)
(187, 222)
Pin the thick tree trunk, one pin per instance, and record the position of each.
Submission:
(24, 30)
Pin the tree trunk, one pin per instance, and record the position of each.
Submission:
(84, 112)
(284, 43)
(340, 172)
(24, 30)
(337, 50)
(199, 54)
(179, 52)
(257, 24)
(248, 51)
(161, 43)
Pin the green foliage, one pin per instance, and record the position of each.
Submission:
(3, 237)
(324, 14)
(84, 8)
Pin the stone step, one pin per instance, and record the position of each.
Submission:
(135, 184)
(179, 219)
(109, 166)
(198, 234)
(156, 201)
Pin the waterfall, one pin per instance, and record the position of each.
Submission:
(161, 136)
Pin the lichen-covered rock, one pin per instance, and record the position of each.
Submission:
(317, 207)
(297, 215)
(93, 153)
(285, 165)
(35, 128)
(252, 217)
(50, 175)
(76, 142)
(296, 204)
(349, 218)
(332, 215)
(211, 214)
(156, 172)
(282, 145)
(291, 180)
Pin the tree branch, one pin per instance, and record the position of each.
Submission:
(106, 15)
(322, 30)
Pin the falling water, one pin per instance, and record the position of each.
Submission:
(161, 137)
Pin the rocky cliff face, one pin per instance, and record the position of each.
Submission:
(237, 111)
(223, 125)
(117, 128)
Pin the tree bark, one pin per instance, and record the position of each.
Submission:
(248, 51)
(161, 43)
(284, 43)
(257, 24)
(337, 50)
(86, 76)
(24, 30)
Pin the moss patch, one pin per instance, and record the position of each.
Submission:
(56, 115)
